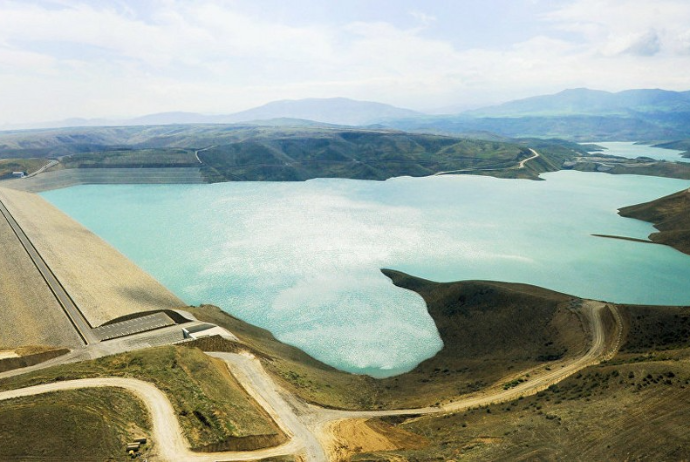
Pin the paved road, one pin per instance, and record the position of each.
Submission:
(71, 310)
(196, 153)
(42, 169)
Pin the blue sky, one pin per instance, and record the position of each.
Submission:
(74, 58)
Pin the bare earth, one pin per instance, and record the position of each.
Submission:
(103, 283)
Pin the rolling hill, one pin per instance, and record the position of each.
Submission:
(670, 215)
(576, 115)
(582, 101)
(255, 152)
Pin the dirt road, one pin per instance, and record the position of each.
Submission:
(276, 401)
(323, 421)
(522, 163)
(519, 166)
(310, 427)
(171, 445)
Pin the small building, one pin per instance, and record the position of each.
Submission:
(133, 447)
(19, 174)
(207, 330)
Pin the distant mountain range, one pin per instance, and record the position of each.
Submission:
(578, 114)
(582, 101)
(333, 111)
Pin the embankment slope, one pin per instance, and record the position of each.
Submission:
(29, 313)
(102, 282)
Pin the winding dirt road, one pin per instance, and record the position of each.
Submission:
(171, 445)
(309, 427)
(519, 166)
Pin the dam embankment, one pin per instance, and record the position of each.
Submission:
(79, 176)
(103, 283)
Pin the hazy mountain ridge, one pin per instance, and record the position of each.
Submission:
(583, 101)
(577, 115)
(329, 111)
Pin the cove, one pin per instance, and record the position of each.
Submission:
(303, 259)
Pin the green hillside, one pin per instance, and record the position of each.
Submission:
(259, 152)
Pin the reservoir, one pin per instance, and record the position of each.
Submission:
(303, 259)
(633, 151)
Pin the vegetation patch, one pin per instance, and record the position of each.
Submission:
(87, 425)
(8, 166)
(133, 158)
(658, 328)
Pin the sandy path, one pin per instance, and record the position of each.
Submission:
(103, 283)
(535, 154)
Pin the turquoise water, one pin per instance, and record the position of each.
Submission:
(303, 259)
(633, 151)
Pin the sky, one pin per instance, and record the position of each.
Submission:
(125, 58)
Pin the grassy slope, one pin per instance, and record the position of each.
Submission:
(670, 215)
(633, 407)
(354, 154)
(85, 425)
(495, 329)
(211, 406)
(7, 166)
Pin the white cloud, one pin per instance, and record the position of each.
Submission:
(639, 44)
(105, 59)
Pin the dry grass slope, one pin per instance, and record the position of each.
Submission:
(212, 407)
(87, 425)
(633, 407)
(489, 330)
(670, 215)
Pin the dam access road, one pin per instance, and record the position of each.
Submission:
(309, 427)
